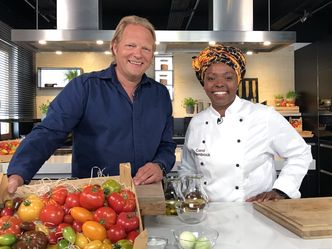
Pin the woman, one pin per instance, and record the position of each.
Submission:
(233, 142)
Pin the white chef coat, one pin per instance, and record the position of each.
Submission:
(236, 156)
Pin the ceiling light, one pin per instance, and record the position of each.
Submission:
(42, 42)
(266, 43)
(249, 52)
(107, 52)
(100, 42)
(212, 43)
(58, 52)
(157, 42)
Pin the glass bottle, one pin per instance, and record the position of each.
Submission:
(171, 184)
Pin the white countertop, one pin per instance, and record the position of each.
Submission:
(240, 226)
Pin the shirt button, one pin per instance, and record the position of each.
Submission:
(205, 183)
(236, 187)
(203, 141)
(241, 120)
(237, 165)
(202, 163)
(206, 122)
(238, 140)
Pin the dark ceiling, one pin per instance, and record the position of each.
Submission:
(311, 19)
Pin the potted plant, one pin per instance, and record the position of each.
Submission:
(290, 98)
(279, 100)
(189, 104)
(71, 74)
(44, 108)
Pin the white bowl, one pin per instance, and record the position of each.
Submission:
(156, 242)
(196, 237)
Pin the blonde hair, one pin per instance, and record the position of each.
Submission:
(125, 21)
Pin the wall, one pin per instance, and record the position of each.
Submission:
(275, 73)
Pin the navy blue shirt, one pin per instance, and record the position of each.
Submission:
(107, 127)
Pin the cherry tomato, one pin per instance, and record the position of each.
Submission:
(27, 226)
(92, 197)
(96, 244)
(81, 241)
(52, 238)
(81, 214)
(59, 194)
(68, 219)
(63, 244)
(131, 236)
(59, 230)
(77, 225)
(116, 233)
(128, 220)
(105, 216)
(7, 211)
(51, 215)
(7, 239)
(124, 244)
(94, 230)
(69, 234)
(72, 200)
(10, 224)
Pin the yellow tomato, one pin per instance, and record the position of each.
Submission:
(30, 208)
(81, 214)
(106, 245)
(94, 230)
(81, 241)
(42, 228)
(52, 246)
(95, 244)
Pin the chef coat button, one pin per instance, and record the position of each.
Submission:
(205, 183)
(241, 119)
(236, 187)
(202, 163)
(203, 141)
(238, 140)
(206, 122)
(237, 165)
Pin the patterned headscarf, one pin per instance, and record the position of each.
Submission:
(230, 56)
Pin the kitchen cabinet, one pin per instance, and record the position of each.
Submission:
(325, 153)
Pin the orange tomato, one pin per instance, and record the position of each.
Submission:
(94, 230)
(81, 214)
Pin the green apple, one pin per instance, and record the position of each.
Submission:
(187, 240)
(203, 243)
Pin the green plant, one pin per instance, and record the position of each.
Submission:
(71, 74)
(44, 107)
(279, 96)
(291, 95)
(189, 102)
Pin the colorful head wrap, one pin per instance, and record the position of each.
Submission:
(230, 56)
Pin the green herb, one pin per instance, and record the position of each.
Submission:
(279, 96)
(71, 74)
(292, 95)
(189, 102)
(44, 107)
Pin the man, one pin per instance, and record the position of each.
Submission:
(115, 115)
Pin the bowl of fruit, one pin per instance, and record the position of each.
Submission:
(195, 237)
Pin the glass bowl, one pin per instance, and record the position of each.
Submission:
(155, 242)
(190, 212)
(192, 237)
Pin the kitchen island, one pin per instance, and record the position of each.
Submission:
(240, 226)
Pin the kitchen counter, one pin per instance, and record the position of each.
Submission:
(240, 226)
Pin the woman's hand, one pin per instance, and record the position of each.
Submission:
(267, 196)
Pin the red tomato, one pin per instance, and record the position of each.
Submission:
(10, 224)
(132, 235)
(59, 194)
(128, 220)
(92, 197)
(105, 216)
(77, 225)
(68, 219)
(116, 201)
(130, 202)
(72, 200)
(52, 239)
(7, 211)
(116, 233)
(59, 229)
(51, 215)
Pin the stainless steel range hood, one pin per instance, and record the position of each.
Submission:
(78, 30)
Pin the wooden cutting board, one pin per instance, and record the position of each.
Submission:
(309, 218)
